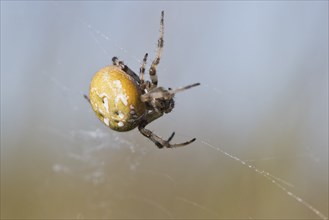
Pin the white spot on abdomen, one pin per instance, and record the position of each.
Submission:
(123, 98)
(121, 115)
(117, 83)
(120, 124)
(120, 94)
(106, 104)
(107, 121)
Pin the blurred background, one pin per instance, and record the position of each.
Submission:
(260, 115)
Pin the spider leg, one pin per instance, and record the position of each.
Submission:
(183, 88)
(156, 61)
(181, 144)
(160, 92)
(115, 61)
(171, 136)
(142, 69)
(155, 138)
(86, 97)
(120, 64)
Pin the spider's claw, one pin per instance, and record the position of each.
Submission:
(171, 137)
(185, 143)
(178, 145)
(192, 140)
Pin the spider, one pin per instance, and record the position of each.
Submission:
(123, 100)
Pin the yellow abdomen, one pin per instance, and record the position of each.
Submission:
(115, 98)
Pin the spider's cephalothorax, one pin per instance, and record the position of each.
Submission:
(123, 100)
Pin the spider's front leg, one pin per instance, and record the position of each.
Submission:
(142, 69)
(156, 61)
(153, 137)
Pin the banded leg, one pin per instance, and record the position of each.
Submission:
(156, 61)
(155, 138)
(119, 63)
(142, 69)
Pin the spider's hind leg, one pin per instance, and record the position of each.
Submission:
(121, 65)
(116, 61)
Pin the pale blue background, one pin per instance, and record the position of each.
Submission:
(263, 69)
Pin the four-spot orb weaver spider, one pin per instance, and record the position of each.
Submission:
(123, 101)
